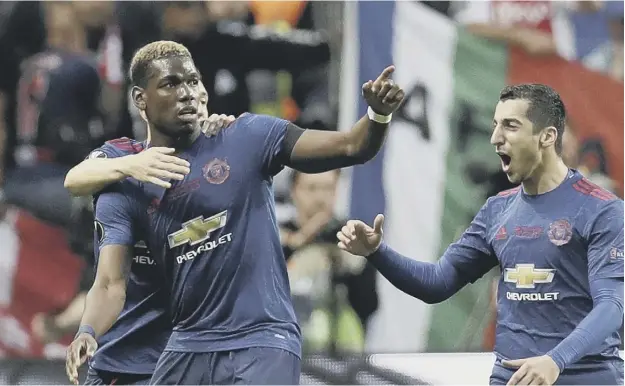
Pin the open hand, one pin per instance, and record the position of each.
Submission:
(215, 123)
(155, 165)
(541, 370)
(360, 239)
(383, 95)
(81, 349)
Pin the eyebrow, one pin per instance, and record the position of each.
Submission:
(169, 78)
(509, 121)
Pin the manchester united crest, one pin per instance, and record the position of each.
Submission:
(216, 171)
(560, 232)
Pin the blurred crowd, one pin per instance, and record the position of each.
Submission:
(64, 90)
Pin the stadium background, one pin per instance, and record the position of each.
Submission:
(63, 91)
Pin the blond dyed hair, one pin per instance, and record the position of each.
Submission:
(140, 64)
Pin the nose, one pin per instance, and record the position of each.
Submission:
(186, 92)
(496, 138)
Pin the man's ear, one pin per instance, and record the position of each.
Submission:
(138, 98)
(549, 136)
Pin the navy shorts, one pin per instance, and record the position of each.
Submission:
(251, 366)
(604, 373)
(99, 377)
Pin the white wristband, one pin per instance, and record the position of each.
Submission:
(379, 118)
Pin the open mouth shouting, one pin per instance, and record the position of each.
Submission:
(505, 161)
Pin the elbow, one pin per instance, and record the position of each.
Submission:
(71, 185)
(114, 291)
(360, 154)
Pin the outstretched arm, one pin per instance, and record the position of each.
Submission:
(157, 165)
(463, 262)
(315, 151)
(94, 174)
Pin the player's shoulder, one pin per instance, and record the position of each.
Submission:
(501, 199)
(118, 147)
(508, 192)
(256, 121)
(595, 202)
(591, 193)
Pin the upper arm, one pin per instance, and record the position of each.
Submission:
(472, 255)
(114, 219)
(266, 135)
(114, 233)
(605, 242)
(319, 144)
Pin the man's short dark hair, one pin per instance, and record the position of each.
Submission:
(140, 63)
(545, 107)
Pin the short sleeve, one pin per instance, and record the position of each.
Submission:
(114, 223)
(270, 132)
(472, 255)
(116, 148)
(605, 242)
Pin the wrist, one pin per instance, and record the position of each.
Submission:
(121, 166)
(85, 329)
(377, 250)
(557, 359)
(379, 118)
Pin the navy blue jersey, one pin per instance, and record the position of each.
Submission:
(136, 340)
(549, 248)
(216, 235)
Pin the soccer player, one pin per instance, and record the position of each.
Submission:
(215, 233)
(558, 240)
(128, 352)
(154, 165)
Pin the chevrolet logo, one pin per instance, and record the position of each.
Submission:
(197, 230)
(526, 276)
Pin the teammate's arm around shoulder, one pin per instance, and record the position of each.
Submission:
(313, 151)
(105, 300)
(155, 165)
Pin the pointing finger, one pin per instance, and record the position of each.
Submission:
(386, 74)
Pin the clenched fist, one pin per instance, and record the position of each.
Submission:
(383, 95)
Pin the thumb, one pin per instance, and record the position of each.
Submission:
(90, 350)
(378, 223)
(515, 364)
(366, 87)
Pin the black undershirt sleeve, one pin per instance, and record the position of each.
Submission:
(312, 164)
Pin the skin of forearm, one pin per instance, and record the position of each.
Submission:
(103, 304)
(92, 175)
(367, 138)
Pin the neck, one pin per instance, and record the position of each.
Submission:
(157, 138)
(548, 176)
